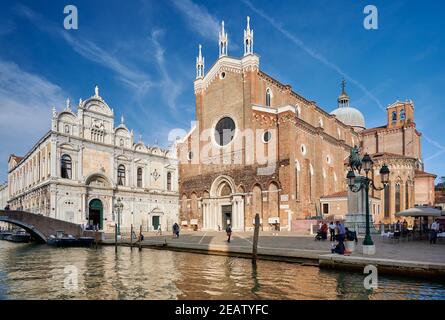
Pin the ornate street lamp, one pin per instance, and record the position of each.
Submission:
(356, 185)
(118, 207)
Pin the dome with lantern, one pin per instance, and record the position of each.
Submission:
(346, 114)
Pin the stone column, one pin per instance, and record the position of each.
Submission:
(53, 158)
(206, 216)
(80, 164)
(53, 204)
(234, 218)
(83, 208)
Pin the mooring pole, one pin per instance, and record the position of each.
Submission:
(115, 237)
(131, 237)
(256, 233)
(140, 238)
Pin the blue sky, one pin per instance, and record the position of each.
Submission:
(142, 55)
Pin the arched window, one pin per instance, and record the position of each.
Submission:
(398, 197)
(297, 171)
(139, 178)
(268, 97)
(407, 195)
(402, 115)
(121, 175)
(224, 131)
(66, 167)
(394, 116)
(169, 181)
(121, 142)
(67, 128)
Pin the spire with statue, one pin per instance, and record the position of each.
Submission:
(223, 41)
(248, 39)
(200, 64)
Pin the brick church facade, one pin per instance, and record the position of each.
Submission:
(259, 147)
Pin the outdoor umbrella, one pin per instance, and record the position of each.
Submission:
(420, 212)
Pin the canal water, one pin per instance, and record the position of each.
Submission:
(30, 271)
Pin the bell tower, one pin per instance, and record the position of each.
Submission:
(400, 114)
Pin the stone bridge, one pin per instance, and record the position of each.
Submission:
(41, 227)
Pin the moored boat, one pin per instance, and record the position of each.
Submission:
(4, 234)
(65, 241)
(19, 236)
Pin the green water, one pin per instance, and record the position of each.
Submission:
(29, 271)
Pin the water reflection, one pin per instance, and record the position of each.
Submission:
(37, 272)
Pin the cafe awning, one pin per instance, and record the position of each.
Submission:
(420, 212)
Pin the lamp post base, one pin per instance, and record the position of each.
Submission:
(369, 250)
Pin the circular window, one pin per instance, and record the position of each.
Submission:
(222, 75)
(328, 160)
(190, 155)
(267, 136)
(224, 131)
(303, 149)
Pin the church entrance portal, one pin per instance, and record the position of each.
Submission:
(95, 216)
(226, 216)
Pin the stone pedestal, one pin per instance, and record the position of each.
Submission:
(369, 250)
(355, 219)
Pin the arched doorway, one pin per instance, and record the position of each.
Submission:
(226, 209)
(95, 214)
(156, 220)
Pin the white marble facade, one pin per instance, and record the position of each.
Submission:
(79, 169)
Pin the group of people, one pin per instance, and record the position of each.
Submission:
(338, 232)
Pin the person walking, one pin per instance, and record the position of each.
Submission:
(175, 228)
(332, 231)
(433, 232)
(229, 233)
(341, 232)
(159, 231)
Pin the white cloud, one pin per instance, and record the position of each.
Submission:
(170, 89)
(132, 77)
(198, 18)
(89, 50)
(25, 108)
